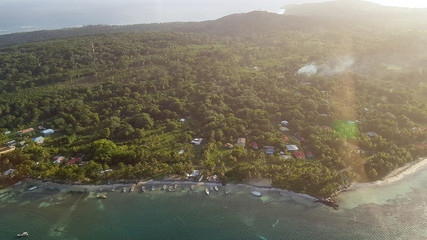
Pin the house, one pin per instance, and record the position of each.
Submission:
(254, 145)
(284, 129)
(7, 149)
(9, 172)
(11, 143)
(38, 140)
(73, 160)
(48, 131)
(28, 130)
(283, 156)
(292, 147)
(269, 149)
(299, 138)
(181, 152)
(241, 142)
(229, 145)
(193, 174)
(371, 134)
(7, 133)
(309, 154)
(300, 155)
(59, 159)
(197, 141)
(284, 123)
(285, 138)
(41, 128)
(182, 120)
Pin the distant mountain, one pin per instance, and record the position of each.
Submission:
(311, 16)
(360, 11)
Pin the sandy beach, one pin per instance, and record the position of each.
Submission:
(395, 175)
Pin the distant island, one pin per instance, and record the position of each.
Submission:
(310, 103)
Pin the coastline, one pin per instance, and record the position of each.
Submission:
(394, 176)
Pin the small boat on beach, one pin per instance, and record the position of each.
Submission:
(211, 188)
(124, 189)
(113, 189)
(24, 234)
(175, 186)
(142, 189)
(101, 196)
(216, 188)
(207, 191)
(132, 188)
(164, 187)
(32, 188)
(152, 188)
(170, 188)
(183, 187)
(256, 194)
(192, 187)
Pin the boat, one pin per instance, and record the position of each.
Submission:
(24, 234)
(164, 187)
(32, 188)
(142, 189)
(192, 187)
(216, 188)
(132, 188)
(211, 188)
(101, 196)
(170, 188)
(152, 188)
(124, 189)
(175, 186)
(256, 194)
(113, 189)
(207, 191)
(183, 187)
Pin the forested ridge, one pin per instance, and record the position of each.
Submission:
(353, 100)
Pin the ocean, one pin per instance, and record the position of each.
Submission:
(394, 211)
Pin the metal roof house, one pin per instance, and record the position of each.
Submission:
(241, 142)
(292, 147)
(38, 140)
(48, 131)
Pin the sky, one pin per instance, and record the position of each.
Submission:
(31, 15)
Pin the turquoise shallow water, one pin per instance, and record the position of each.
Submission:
(397, 211)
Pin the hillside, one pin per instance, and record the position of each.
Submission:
(318, 107)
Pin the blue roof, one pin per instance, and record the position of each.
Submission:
(270, 151)
(38, 139)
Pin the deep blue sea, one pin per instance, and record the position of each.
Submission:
(394, 211)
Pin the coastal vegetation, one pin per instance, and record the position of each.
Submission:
(127, 105)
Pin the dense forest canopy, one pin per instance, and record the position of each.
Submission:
(350, 97)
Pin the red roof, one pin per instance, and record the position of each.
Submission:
(285, 138)
(73, 160)
(299, 155)
(309, 154)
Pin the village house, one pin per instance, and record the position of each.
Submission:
(197, 141)
(254, 145)
(38, 140)
(300, 155)
(48, 131)
(241, 142)
(269, 149)
(7, 149)
(28, 130)
(292, 147)
(59, 159)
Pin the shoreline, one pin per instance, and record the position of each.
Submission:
(395, 176)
